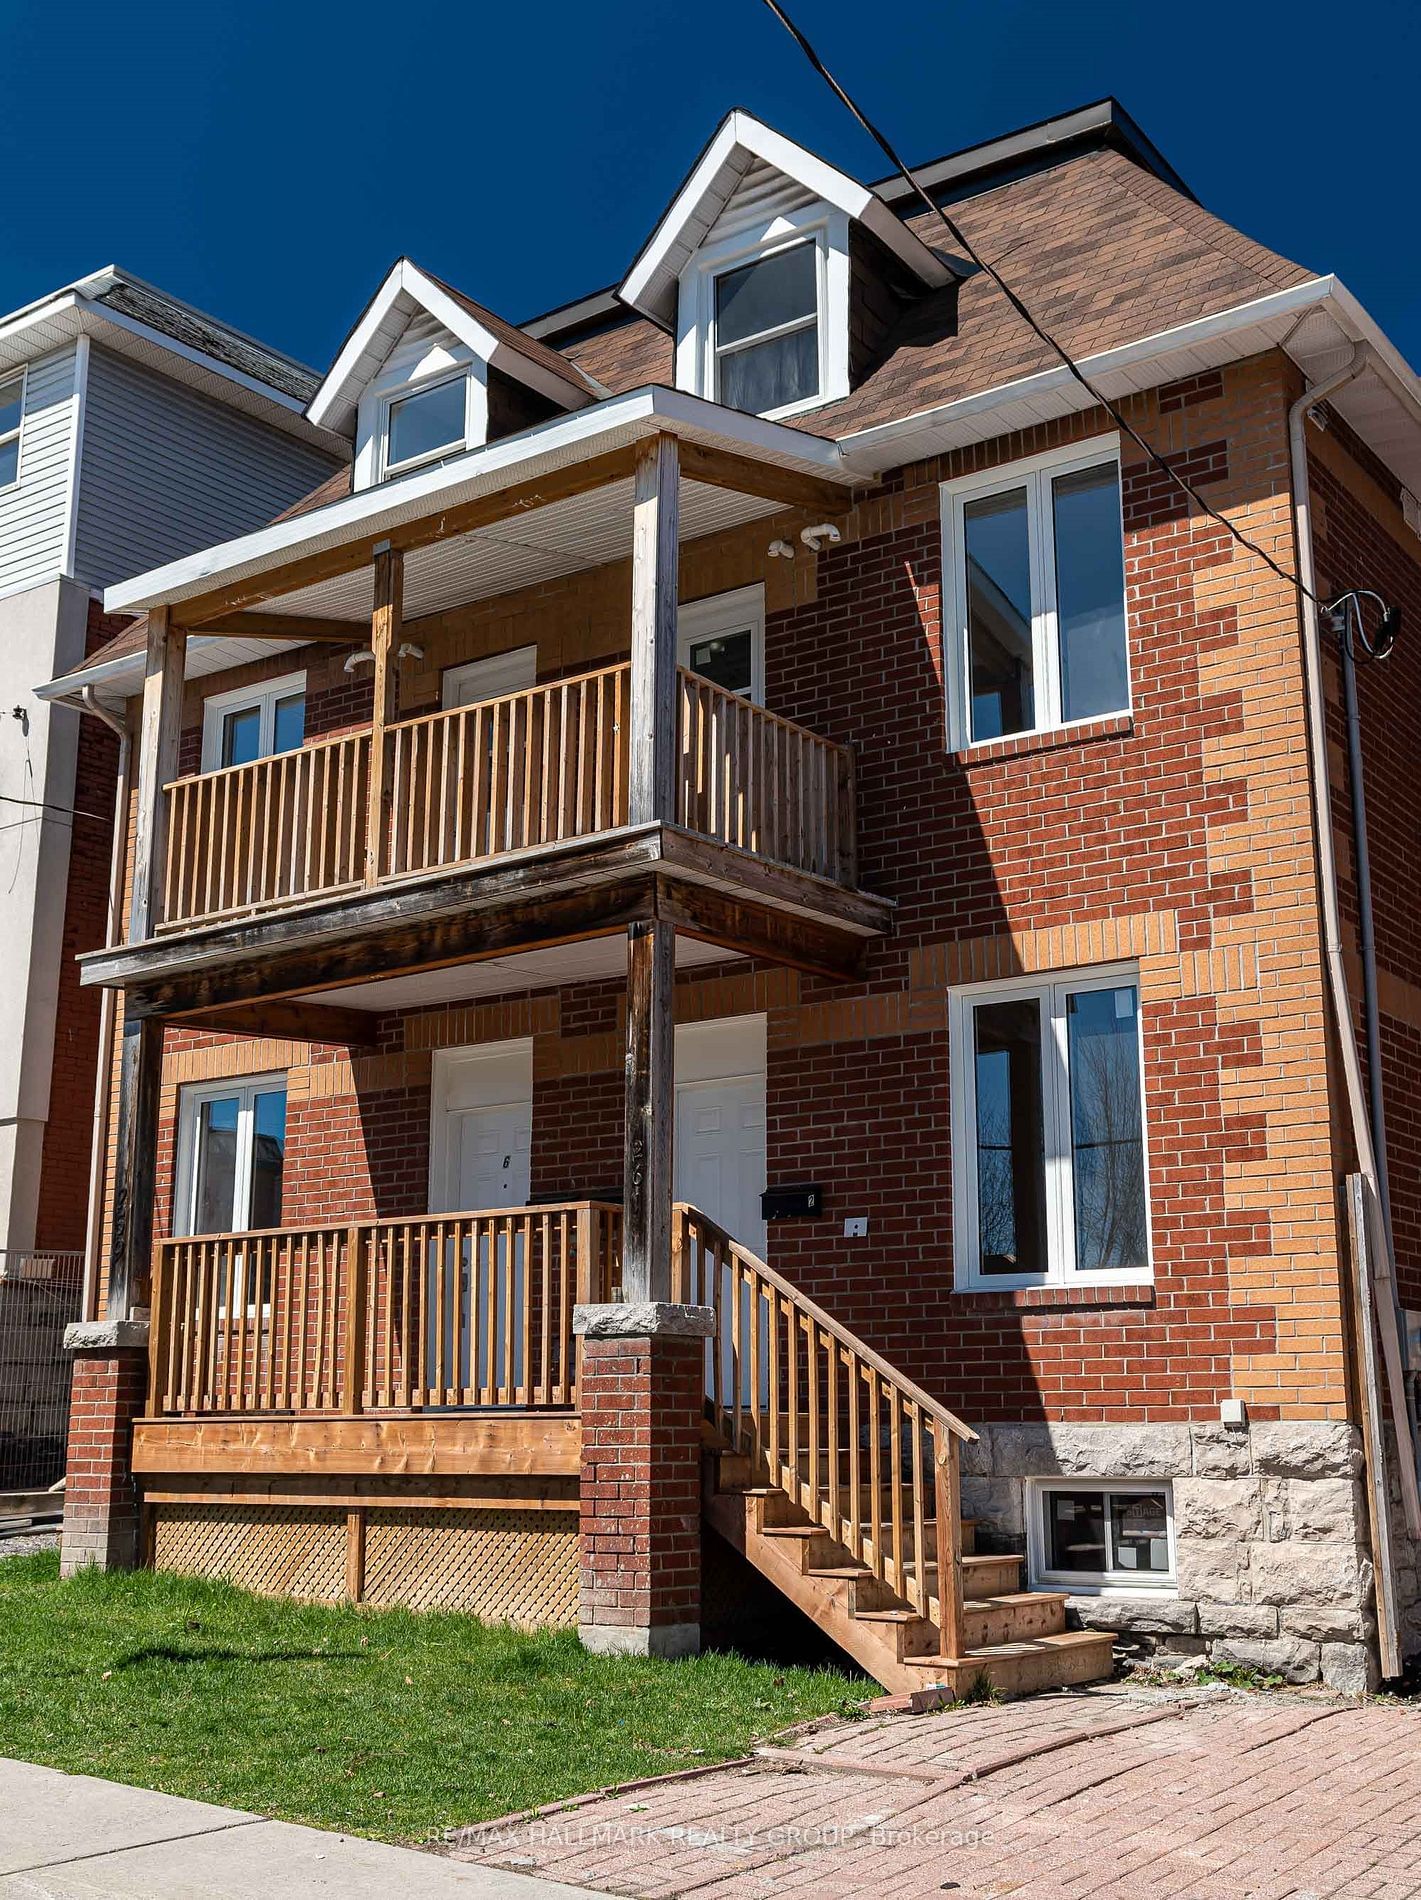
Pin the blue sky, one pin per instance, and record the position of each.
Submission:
(267, 161)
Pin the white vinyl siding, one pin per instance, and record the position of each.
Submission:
(425, 353)
(166, 471)
(34, 512)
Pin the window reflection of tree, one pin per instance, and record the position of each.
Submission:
(1108, 1151)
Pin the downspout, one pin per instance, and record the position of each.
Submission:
(1362, 1131)
(108, 1006)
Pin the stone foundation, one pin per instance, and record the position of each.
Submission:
(1272, 1559)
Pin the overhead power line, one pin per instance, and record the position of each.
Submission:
(959, 238)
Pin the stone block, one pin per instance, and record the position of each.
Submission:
(1324, 1622)
(1091, 1451)
(1221, 1451)
(1306, 1449)
(978, 1458)
(1286, 1656)
(1326, 1508)
(1218, 1507)
(1296, 1574)
(1350, 1668)
(1144, 1615)
(997, 1503)
(1245, 1620)
(1211, 1569)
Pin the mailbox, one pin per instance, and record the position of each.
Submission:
(792, 1203)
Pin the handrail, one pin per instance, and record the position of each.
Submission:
(453, 1310)
(830, 1422)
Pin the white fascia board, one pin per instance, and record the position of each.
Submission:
(556, 444)
(333, 405)
(1227, 335)
(742, 133)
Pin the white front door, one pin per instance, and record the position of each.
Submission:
(720, 1124)
(481, 1144)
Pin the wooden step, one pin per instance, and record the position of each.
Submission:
(1044, 1662)
(1019, 1616)
(907, 1632)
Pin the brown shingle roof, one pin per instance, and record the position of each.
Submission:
(552, 360)
(1102, 251)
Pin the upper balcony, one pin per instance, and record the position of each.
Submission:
(630, 790)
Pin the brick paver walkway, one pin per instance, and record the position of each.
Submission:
(1211, 1795)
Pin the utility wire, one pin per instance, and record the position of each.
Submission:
(964, 243)
(40, 804)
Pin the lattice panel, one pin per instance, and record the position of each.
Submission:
(502, 1566)
(275, 1549)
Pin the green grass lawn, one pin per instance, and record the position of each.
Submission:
(387, 1723)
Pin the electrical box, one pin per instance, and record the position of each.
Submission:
(792, 1203)
(856, 1227)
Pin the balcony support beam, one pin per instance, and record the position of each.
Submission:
(385, 623)
(159, 733)
(650, 1106)
(135, 1164)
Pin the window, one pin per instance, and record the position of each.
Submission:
(1102, 1537)
(1036, 595)
(253, 722)
(1048, 1133)
(231, 1156)
(426, 424)
(766, 338)
(12, 414)
(723, 639)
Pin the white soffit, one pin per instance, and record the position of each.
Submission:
(594, 960)
(617, 422)
(651, 284)
(1318, 322)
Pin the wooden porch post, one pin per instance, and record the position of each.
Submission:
(159, 732)
(385, 624)
(651, 946)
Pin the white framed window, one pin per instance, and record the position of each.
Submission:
(426, 422)
(12, 416)
(253, 722)
(231, 1155)
(1050, 1172)
(723, 639)
(1034, 595)
(763, 320)
(1100, 1539)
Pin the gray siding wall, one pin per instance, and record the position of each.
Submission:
(164, 471)
(34, 514)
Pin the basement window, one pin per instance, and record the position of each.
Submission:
(1048, 1135)
(1101, 1538)
(1035, 595)
(12, 415)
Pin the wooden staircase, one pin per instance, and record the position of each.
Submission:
(834, 1476)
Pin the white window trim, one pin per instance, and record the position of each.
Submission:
(473, 412)
(516, 663)
(1116, 1583)
(263, 696)
(726, 613)
(17, 434)
(190, 1099)
(695, 345)
(1035, 473)
(1060, 1201)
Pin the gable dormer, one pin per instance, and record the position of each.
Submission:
(427, 374)
(774, 270)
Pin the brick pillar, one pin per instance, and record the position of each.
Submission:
(101, 1506)
(641, 1398)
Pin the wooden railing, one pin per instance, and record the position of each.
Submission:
(279, 829)
(533, 768)
(435, 1311)
(536, 768)
(751, 779)
(866, 1453)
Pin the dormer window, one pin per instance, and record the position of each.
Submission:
(426, 424)
(766, 331)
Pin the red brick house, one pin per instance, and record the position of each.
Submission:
(732, 942)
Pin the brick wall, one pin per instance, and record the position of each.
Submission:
(1175, 837)
(101, 1510)
(69, 1131)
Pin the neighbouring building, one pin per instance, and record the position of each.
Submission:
(731, 943)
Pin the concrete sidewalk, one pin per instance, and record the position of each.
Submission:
(65, 1836)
